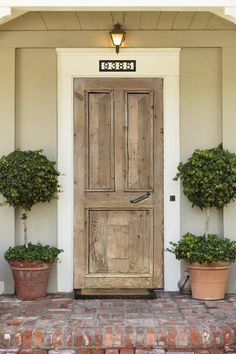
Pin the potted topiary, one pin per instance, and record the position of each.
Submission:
(209, 180)
(27, 178)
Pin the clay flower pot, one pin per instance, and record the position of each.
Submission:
(31, 279)
(208, 281)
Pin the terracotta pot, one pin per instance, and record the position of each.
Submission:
(31, 279)
(208, 281)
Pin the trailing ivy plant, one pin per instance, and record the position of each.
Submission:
(209, 179)
(27, 178)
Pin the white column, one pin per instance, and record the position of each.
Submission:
(229, 140)
(7, 144)
(171, 160)
(66, 181)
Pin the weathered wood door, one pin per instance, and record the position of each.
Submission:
(118, 158)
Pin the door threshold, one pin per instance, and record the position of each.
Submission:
(139, 294)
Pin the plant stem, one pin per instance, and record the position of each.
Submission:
(24, 218)
(207, 222)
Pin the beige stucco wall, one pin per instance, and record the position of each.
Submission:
(36, 128)
(201, 121)
(7, 144)
(207, 117)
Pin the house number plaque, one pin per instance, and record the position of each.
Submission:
(117, 65)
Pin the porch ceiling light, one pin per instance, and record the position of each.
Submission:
(117, 36)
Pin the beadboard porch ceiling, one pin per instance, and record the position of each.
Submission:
(133, 20)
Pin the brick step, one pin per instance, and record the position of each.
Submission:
(117, 337)
(170, 322)
(226, 350)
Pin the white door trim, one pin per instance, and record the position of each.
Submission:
(163, 63)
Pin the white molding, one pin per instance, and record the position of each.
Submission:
(162, 63)
(171, 160)
(112, 4)
(230, 13)
(227, 13)
(9, 14)
(2, 287)
(5, 11)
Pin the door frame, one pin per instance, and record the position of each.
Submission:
(84, 63)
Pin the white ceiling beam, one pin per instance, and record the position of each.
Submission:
(14, 14)
(228, 13)
(111, 4)
(5, 11)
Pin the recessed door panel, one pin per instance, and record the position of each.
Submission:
(139, 140)
(100, 149)
(119, 242)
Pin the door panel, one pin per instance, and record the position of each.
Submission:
(139, 140)
(100, 160)
(118, 157)
(119, 241)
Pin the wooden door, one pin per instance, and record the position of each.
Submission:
(118, 158)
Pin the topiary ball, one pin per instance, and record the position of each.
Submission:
(27, 178)
(209, 177)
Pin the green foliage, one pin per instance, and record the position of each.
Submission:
(194, 248)
(209, 177)
(27, 178)
(33, 253)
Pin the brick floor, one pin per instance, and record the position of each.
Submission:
(172, 323)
